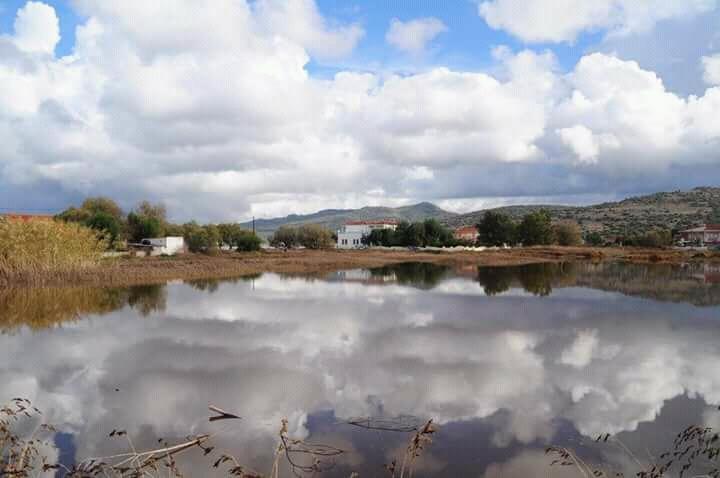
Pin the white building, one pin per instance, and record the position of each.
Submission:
(167, 246)
(351, 234)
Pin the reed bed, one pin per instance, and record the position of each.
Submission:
(33, 251)
(24, 439)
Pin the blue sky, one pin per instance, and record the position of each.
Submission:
(66, 14)
(467, 44)
(289, 106)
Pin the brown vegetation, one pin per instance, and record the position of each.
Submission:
(129, 271)
(33, 250)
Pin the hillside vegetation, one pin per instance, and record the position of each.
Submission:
(334, 218)
(670, 210)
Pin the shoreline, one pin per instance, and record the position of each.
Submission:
(152, 270)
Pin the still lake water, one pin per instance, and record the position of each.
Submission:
(505, 360)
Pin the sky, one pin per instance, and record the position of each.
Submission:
(227, 109)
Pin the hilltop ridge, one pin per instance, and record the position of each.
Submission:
(334, 218)
(673, 210)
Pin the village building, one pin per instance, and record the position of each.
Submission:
(160, 246)
(351, 235)
(466, 233)
(26, 217)
(707, 234)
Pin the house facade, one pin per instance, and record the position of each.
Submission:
(705, 234)
(159, 246)
(350, 236)
(466, 233)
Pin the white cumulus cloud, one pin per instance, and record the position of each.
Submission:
(564, 20)
(711, 66)
(169, 100)
(37, 28)
(414, 35)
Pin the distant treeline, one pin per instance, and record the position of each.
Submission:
(416, 234)
(537, 228)
(310, 236)
(149, 220)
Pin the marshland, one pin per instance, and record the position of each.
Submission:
(513, 368)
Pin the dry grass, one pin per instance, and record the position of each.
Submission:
(23, 438)
(33, 251)
(694, 453)
(147, 270)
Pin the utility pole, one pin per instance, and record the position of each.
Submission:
(253, 224)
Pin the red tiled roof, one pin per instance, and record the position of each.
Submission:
(466, 230)
(704, 228)
(27, 217)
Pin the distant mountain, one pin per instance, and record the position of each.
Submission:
(334, 218)
(673, 210)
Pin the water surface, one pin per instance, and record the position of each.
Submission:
(505, 360)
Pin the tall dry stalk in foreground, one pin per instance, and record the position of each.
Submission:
(32, 250)
(694, 453)
(421, 438)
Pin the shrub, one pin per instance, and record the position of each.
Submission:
(568, 233)
(594, 239)
(109, 225)
(247, 241)
(40, 247)
(285, 236)
(313, 236)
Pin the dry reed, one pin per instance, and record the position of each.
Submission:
(30, 251)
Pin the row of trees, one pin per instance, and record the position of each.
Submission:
(149, 220)
(537, 228)
(417, 234)
(311, 236)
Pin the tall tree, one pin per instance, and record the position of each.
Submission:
(496, 229)
(536, 229)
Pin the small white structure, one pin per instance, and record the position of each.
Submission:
(350, 236)
(165, 246)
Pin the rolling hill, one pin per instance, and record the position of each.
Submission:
(673, 210)
(334, 218)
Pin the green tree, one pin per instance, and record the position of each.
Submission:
(248, 241)
(313, 236)
(156, 211)
(594, 239)
(536, 229)
(143, 227)
(100, 204)
(213, 238)
(285, 236)
(111, 226)
(496, 229)
(73, 214)
(714, 216)
(196, 237)
(568, 233)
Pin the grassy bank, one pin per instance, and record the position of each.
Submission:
(130, 271)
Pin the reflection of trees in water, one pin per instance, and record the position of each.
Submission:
(147, 299)
(538, 279)
(40, 308)
(416, 274)
(690, 283)
(212, 285)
